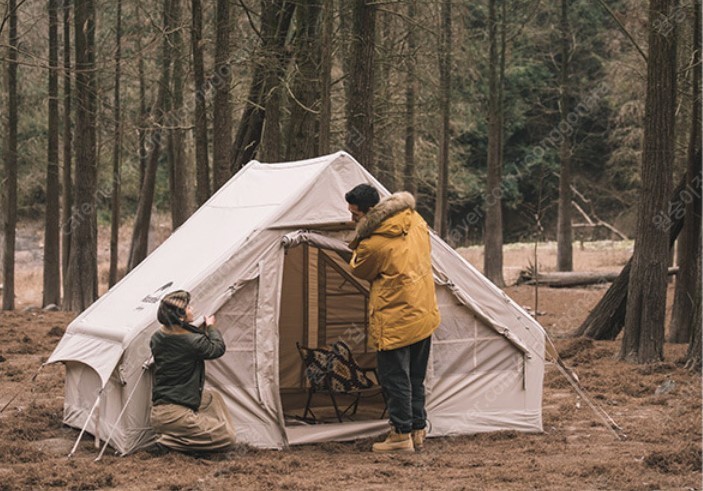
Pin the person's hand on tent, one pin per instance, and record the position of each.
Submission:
(209, 320)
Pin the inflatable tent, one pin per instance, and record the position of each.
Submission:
(267, 254)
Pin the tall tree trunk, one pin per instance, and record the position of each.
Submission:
(643, 339)
(271, 138)
(303, 121)
(202, 165)
(445, 63)
(83, 262)
(345, 12)
(66, 178)
(116, 154)
(383, 127)
(142, 132)
(180, 193)
(493, 235)
(606, 319)
(10, 201)
(140, 234)
(274, 70)
(276, 16)
(52, 259)
(326, 76)
(690, 241)
(222, 117)
(360, 124)
(564, 236)
(695, 347)
(410, 90)
(501, 76)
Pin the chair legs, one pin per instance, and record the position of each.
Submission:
(336, 408)
(307, 407)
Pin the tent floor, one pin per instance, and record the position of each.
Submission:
(371, 407)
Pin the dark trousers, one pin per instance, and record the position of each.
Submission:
(402, 375)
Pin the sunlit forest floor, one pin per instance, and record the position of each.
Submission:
(658, 407)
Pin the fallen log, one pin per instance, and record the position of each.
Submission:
(563, 279)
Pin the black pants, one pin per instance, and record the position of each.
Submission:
(402, 375)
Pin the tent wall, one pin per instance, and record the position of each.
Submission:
(478, 381)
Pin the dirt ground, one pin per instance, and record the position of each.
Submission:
(658, 407)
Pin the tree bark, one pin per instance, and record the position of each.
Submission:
(222, 117)
(202, 165)
(326, 76)
(345, 12)
(445, 63)
(66, 178)
(10, 201)
(643, 339)
(303, 109)
(383, 107)
(360, 118)
(410, 90)
(690, 240)
(116, 155)
(52, 244)
(564, 233)
(180, 198)
(695, 347)
(140, 234)
(83, 266)
(606, 319)
(142, 132)
(276, 16)
(493, 234)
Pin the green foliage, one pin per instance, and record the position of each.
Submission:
(605, 136)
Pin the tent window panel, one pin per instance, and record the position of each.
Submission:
(452, 358)
(457, 320)
(476, 355)
(236, 320)
(237, 368)
(496, 355)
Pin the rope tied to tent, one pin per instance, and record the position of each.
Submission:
(605, 418)
(21, 389)
(87, 420)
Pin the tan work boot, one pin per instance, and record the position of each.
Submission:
(418, 437)
(395, 442)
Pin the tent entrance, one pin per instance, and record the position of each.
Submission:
(321, 303)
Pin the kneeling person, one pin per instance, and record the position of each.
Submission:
(184, 416)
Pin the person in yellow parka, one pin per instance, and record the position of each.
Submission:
(391, 250)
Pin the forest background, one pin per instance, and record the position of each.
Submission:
(510, 121)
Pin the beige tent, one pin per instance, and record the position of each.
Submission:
(266, 254)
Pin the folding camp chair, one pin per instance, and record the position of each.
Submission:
(333, 370)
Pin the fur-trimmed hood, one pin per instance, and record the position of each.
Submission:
(386, 208)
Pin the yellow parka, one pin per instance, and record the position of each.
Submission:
(392, 251)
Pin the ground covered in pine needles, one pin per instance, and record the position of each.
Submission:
(658, 407)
